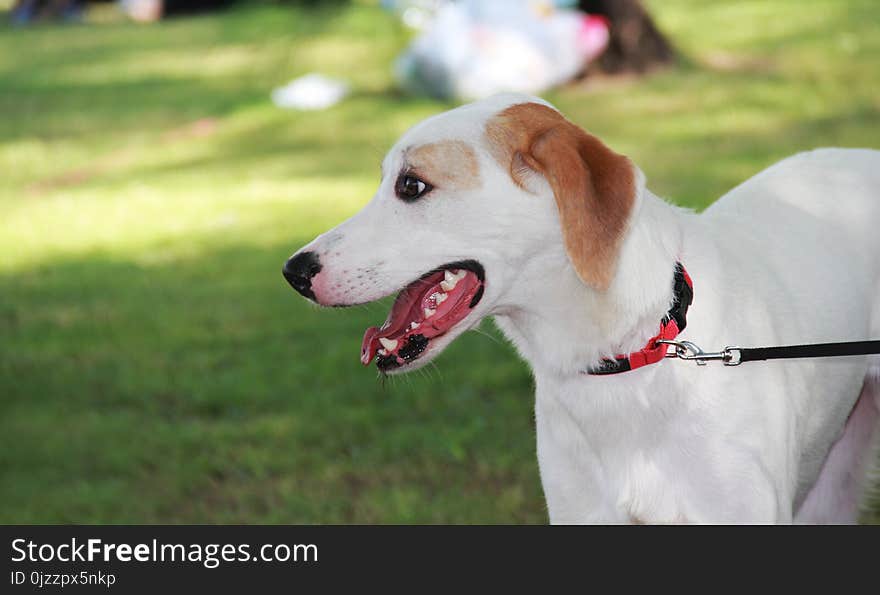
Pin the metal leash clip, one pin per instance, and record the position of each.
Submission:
(730, 356)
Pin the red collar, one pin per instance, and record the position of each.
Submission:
(671, 325)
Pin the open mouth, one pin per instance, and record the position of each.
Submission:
(424, 310)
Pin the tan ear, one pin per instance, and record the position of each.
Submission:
(594, 187)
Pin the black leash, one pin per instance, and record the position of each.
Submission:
(815, 350)
(675, 321)
(734, 356)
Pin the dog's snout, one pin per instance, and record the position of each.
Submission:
(299, 270)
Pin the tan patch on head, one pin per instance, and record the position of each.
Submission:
(594, 187)
(447, 164)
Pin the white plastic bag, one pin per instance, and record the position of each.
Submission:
(310, 92)
(475, 48)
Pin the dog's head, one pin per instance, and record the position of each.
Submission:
(471, 204)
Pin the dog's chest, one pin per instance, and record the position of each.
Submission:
(614, 459)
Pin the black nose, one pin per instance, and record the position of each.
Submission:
(299, 271)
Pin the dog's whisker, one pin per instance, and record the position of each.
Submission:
(480, 331)
(437, 369)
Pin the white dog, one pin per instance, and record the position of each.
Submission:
(504, 208)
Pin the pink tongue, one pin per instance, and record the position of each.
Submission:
(408, 307)
(369, 345)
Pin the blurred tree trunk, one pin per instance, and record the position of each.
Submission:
(635, 44)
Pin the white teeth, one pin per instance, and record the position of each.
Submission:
(382, 352)
(413, 325)
(440, 298)
(450, 279)
(389, 344)
(429, 312)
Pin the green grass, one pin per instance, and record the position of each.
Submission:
(154, 367)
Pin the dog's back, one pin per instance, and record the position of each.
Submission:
(839, 188)
(811, 222)
(826, 205)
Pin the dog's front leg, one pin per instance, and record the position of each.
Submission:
(596, 467)
(570, 471)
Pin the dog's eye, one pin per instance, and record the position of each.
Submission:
(409, 187)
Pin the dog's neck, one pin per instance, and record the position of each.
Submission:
(563, 327)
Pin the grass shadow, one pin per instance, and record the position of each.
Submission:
(206, 390)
